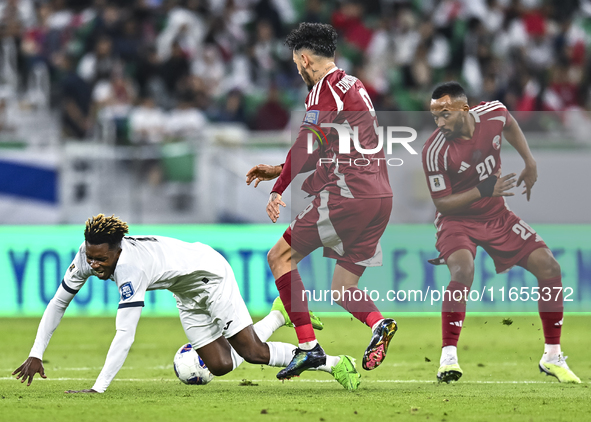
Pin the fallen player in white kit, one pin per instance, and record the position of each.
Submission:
(212, 312)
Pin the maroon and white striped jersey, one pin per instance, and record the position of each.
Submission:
(342, 99)
(457, 165)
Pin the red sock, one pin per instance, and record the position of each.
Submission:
(291, 291)
(551, 311)
(453, 312)
(358, 303)
(305, 333)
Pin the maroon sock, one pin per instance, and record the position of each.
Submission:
(291, 291)
(358, 303)
(305, 333)
(551, 310)
(453, 312)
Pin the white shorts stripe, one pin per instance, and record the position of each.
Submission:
(326, 231)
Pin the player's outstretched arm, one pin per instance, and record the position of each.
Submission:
(491, 187)
(516, 138)
(126, 324)
(262, 172)
(28, 369)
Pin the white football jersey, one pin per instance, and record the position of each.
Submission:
(188, 270)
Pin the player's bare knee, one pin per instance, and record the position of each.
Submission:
(463, 272)
(542, 264)
(279, 261)
(461, 267)
(219, 371)
(550, 269)
(271, 256)
(274, 257)
(221, 367)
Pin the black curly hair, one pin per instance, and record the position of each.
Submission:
(102, 229)
(321, 38)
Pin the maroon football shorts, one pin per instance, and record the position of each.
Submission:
(507, 239)
(349, 229)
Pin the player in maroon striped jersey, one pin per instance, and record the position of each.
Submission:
(351, 205)
(462, 163)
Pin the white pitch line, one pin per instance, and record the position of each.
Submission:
(300, 380)
(170, 367)
(98, 368)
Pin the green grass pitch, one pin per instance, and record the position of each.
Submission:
(501, 380)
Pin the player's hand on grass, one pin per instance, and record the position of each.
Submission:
(504, 184)
(262, 172)
(528, 176)
(273, 206)
(80, 391)
(28, 369)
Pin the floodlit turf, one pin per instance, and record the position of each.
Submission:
(501, 380)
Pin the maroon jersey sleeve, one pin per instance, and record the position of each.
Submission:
(435, 165)
(298, 160)
(304, 163)
(339, 173)
(339, 99)
(492, 110)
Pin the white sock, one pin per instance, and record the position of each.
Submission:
(268, 325)
(449, 355)
(376, 324)
(236, 358)
(309, 345)
(551, 352)
(264, 329)
(280, 354)
(331, 361)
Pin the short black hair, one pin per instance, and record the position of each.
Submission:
(321, 38)
(453, 89)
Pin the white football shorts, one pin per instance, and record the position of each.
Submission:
(223, 313)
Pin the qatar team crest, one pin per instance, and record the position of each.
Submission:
(496, 142)
(126, 290)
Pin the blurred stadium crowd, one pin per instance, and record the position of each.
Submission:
(162, 69)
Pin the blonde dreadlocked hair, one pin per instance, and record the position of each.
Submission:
(101, 229)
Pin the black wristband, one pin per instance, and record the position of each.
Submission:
(487, 187)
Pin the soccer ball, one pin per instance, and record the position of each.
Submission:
(189, 367)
